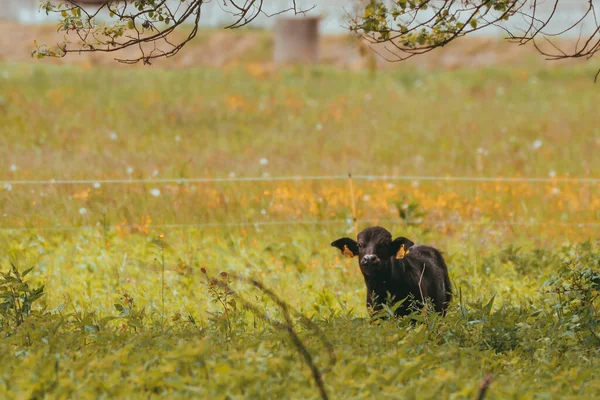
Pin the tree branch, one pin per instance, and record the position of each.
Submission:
(138, 24)
(405, 27)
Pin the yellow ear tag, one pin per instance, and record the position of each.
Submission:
(401, 253)
(347, 252)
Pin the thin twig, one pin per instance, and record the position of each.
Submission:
(96, 38)
(484, 385)
(594, 334)
(421, 291)
(287, 327)
(353, 202)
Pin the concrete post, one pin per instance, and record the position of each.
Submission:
(296, 40)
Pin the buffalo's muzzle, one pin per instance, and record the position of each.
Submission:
(370, 260)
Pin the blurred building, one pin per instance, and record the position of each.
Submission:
(18, 10)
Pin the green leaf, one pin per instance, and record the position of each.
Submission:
(104, 320)
(487, 309)
(473, 23)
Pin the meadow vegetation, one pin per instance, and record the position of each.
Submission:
(126, 296)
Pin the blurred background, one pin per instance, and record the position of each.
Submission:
(334, 13)
(21, 21)
(299, 96)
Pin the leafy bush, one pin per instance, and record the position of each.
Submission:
(576, 287)
(17, 297)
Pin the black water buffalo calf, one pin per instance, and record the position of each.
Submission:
(397, 266)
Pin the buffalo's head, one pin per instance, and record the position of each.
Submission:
(375, 249)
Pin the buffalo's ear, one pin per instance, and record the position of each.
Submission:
(347, 246)
(400, 246)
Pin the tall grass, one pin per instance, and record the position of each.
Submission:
(114, 322)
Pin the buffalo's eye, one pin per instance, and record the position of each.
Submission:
(360, 245)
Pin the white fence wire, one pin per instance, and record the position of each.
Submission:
(297, 178)
(302, 178)
(257, 224)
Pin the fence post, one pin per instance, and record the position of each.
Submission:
(296, 40)
(353, 203)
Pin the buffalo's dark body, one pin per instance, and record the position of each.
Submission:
(420, 273)
(424, 265)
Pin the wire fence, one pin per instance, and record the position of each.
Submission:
(302, 178)
(349, 221)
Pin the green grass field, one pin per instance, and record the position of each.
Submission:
(128, 312)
